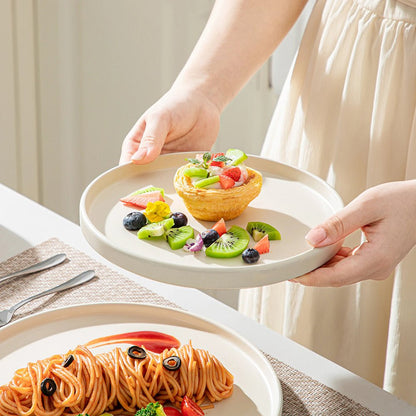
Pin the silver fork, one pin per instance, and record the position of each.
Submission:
(7, 314)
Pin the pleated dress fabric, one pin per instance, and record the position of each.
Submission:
(347, 113)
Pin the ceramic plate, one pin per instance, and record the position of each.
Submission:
(257, 389)
(291, 200)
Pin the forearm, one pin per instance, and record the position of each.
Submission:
(239, 36)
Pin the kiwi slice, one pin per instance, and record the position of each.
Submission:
(156, 229)
(177, 237)
(207, 181)
(195, 172)
(259, 229)
(230, 244)
(236, 155)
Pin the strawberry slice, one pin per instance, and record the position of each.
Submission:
(263, 245)
(214, 155)
(220, 227)
(216, 163)
(141, 200)
(233, 173)
(226, 182)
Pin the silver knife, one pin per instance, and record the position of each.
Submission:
(43, 265)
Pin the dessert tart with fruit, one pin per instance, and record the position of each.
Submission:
(218, 185)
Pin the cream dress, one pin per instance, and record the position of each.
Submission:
(347, 113)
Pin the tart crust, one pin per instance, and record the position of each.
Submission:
(214, 204)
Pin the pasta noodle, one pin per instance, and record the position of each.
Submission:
(114, 382)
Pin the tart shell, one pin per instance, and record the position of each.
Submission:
(214, 204)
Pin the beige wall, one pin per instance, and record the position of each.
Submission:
(18, 124)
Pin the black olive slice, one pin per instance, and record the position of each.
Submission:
(68, 361)
(138, 353)
(172, 363)
(48, 387)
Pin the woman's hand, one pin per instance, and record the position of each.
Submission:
(180, 121)
(387, 216)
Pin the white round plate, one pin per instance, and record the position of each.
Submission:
(257, 391)
(291, 200)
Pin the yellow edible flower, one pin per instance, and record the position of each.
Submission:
(157, 211)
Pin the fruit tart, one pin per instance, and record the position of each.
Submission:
(218, 185)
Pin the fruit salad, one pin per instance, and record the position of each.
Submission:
(157, 222)
(217, 185)
(217, 170)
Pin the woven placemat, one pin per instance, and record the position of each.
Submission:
(302, 395)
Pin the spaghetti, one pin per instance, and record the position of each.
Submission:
(115, 382)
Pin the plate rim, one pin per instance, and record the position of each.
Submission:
(101, 243)
(17, 326)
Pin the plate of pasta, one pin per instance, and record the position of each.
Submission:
(119, 357)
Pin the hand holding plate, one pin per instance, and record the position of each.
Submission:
(386, 215)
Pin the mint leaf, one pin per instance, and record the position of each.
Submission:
(193, 161)
(221, 158)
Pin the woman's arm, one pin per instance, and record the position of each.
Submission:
(239, 36)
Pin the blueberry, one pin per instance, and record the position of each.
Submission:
(179, 218)
(251, 255)
(209, 236)
(134, 221)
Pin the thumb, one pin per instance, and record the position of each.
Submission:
(153, 138)
(340, 225)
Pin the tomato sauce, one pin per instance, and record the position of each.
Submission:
(151, 340)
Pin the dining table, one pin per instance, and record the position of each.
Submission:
(310, 384)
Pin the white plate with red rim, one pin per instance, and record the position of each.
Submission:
(257, 391)
(291, 200)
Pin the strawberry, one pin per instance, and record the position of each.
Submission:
(220, 227)
(226, 182)
(214, 162)
(263, 245)
(234, 173)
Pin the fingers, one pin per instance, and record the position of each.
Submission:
(145, 140)
(154, 136)
(351, 218)
(132, 141)
(349, 266)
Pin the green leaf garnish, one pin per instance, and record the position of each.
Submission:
(193, 161)
(221, 158)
